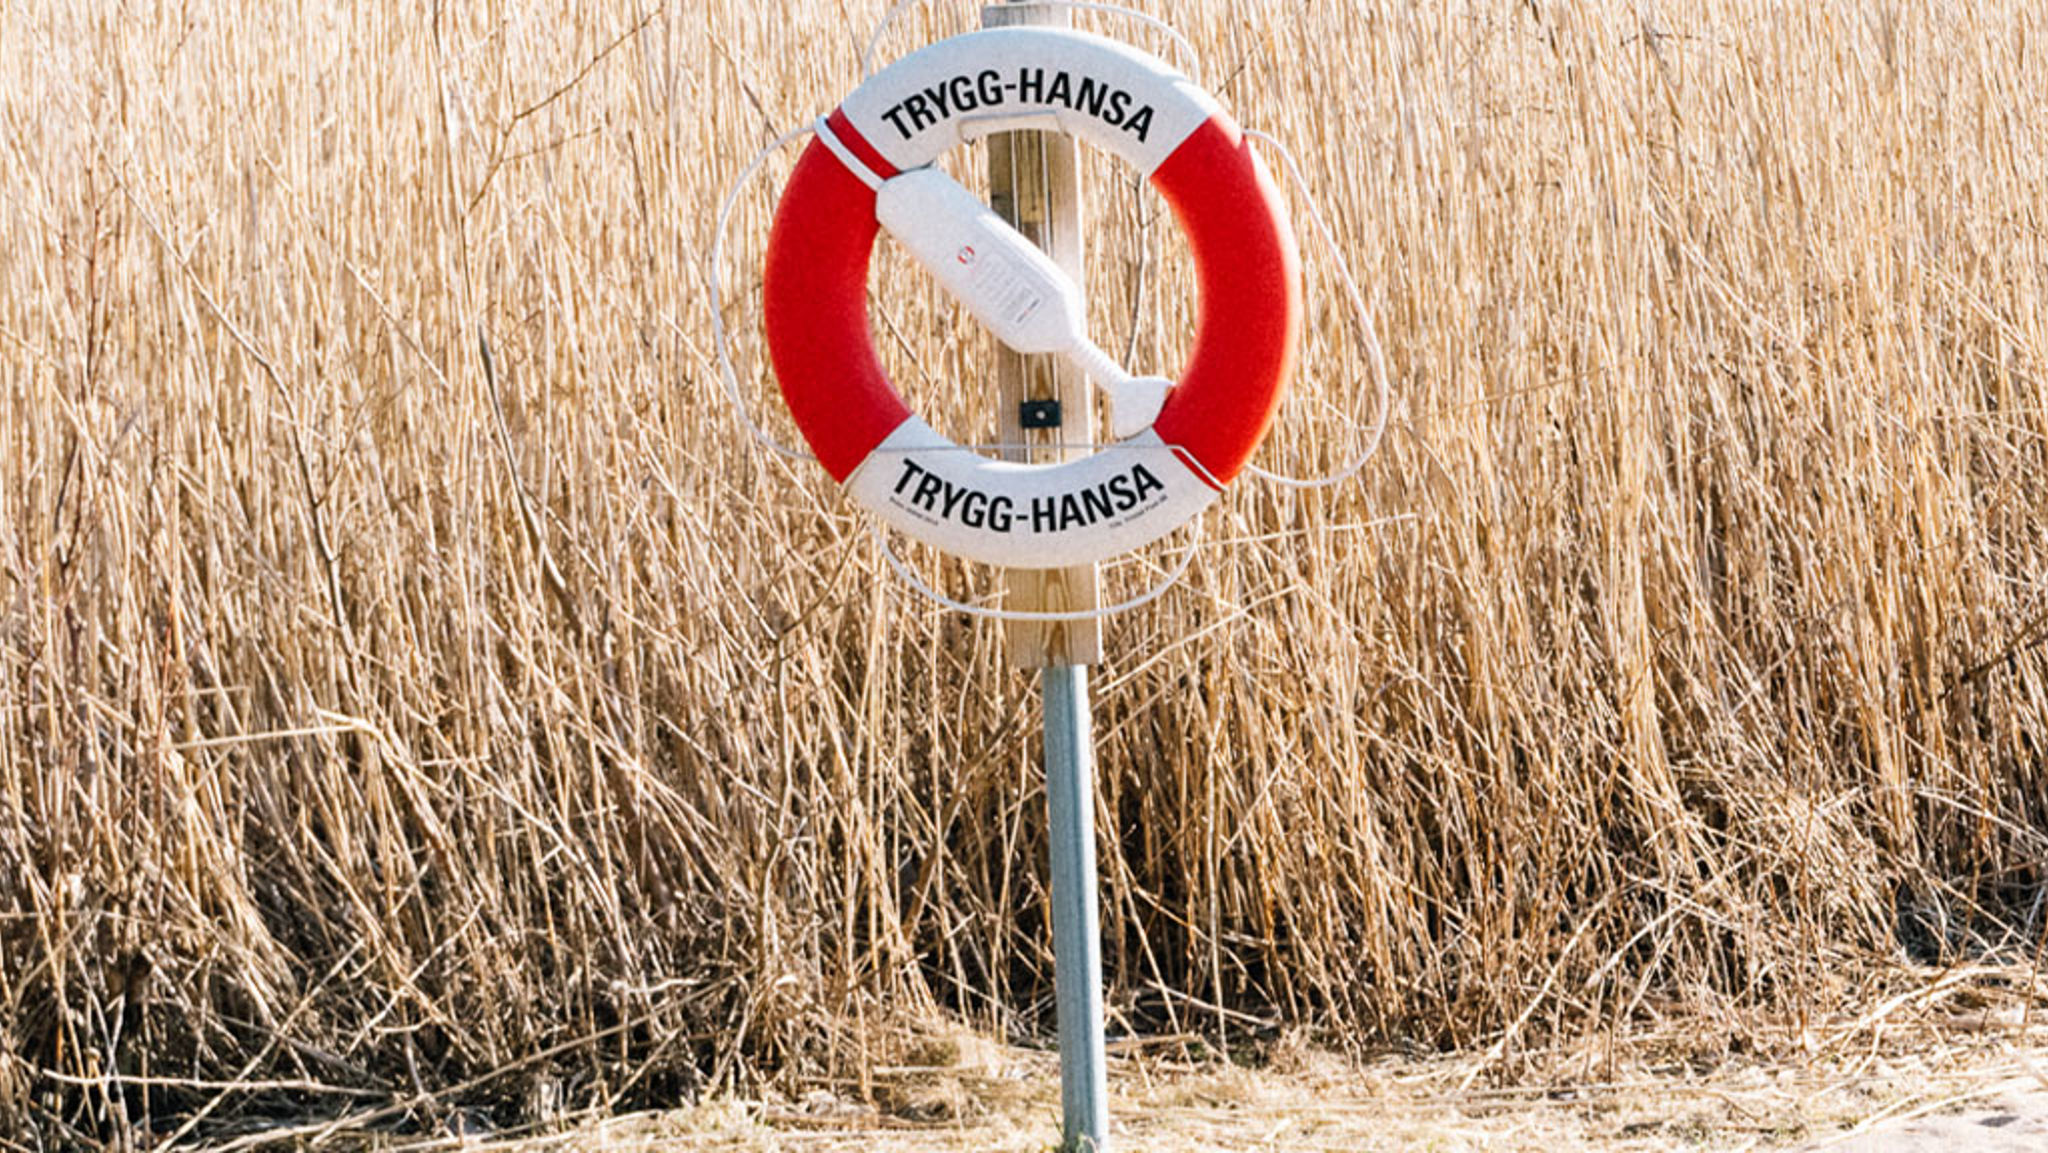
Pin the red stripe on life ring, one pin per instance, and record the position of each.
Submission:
(1250, 299)
(814, 294)
(858, 145)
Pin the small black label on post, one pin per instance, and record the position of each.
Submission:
(1039, 413)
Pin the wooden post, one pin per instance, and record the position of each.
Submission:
(1035, 184)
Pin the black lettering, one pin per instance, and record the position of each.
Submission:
(920, 112)
(971, 510)
(961, 88)
(939, 100)
(1061, 91)
(1070, 511)
(1119, 107)
(895, 117)
(953, 498)
(1140, 122)
(910, 469)
(1001, 514)
(1145, 481)
(1120, 491)
(1045, 515)
(1091, 96)
(928, 490)
(1031, 85)
(1096, 500)
(989, 87)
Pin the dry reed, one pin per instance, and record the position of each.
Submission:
(415, 692)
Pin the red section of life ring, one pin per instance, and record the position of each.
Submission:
(816, 306)
(1250, 283)
(815, 281)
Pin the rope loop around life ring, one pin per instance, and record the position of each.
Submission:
(871, 165)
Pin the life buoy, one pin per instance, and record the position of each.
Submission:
(1129, 492)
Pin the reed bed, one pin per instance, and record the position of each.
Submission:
(417, 693)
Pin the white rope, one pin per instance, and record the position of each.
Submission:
(1382, 388)
(903, 573)
(1180, 42)
(727, 375)
(1186, 46)
(867, 56)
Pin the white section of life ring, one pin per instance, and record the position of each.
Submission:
(1120, 498)
(1113, 96)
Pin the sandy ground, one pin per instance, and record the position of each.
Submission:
(1988, 1094)
(2010, 1118)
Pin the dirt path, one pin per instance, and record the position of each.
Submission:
(982, 1097)
(2011, 1118)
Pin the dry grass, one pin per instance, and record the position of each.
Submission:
(383, 727)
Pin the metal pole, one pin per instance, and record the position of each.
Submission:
(1076, 929)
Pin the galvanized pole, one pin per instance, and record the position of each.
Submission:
(1034, 182)
(1076, 929)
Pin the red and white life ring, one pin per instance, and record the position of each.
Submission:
(1130, 492)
